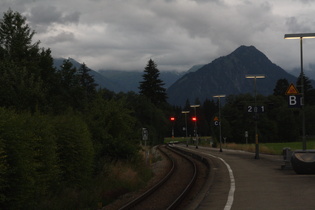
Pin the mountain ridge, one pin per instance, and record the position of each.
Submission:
(226, 75)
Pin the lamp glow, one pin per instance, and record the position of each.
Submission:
(299, 36)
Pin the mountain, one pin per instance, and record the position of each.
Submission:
(195, 68)
(226, 75)
(129, 80)
(121, 81)
(102, 81)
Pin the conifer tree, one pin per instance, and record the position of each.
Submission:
(87, 81)
(308, 88)
(152, 86)
(16, 38)
(281, 87)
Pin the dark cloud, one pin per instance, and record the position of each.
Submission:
(295, 26)
(62, 37)
(45, 15)
(42, 17)
(177, 34)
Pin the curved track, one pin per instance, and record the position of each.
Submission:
(173, 188)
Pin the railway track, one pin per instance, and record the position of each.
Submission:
(177, 188)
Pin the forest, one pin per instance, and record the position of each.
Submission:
(59, 130)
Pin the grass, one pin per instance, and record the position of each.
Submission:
(266, 148)
(270, 148)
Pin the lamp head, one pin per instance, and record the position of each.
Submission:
(300, 36)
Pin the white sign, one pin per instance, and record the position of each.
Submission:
(246, 134)
(145, 134)
(295, 101)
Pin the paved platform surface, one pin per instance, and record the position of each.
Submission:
(259, 183)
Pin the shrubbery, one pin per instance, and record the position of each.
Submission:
(40, 153)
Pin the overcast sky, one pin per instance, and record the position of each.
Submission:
(176, 34)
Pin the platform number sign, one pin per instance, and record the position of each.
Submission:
(255, 109)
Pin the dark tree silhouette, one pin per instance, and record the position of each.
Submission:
(151, 86)
(281, 87)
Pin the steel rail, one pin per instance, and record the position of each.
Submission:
(154, 188)
(188, 187)
(178, 200)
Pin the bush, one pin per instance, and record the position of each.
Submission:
(74, 149)
(27, 157)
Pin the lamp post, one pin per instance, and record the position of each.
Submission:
(301, 36)
(220, 96)
(255, 77)
(185, 113)
(195, 130)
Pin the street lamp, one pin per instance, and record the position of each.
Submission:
(195, 130)
(220, 96)
(301, 36)
(255, 77)
(185, 113)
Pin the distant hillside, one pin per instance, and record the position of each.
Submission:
(226, 75)
(195, 68)
(102, 81)
(122, 81)
(129, 80)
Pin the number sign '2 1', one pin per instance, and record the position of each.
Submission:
(255, 109)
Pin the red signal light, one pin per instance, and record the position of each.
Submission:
(194, 119)
(172, 118)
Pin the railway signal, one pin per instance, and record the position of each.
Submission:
(173, 120)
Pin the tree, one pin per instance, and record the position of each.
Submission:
(69, 88)
(28, 78)
(75, 150)
(16, 38)
(19, 89)
(306, 83)
(87, 83)
(308, 93)
(25, 69)
(281, 87)
(151, 86)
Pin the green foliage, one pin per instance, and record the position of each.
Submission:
(44, 152)
(16, 39)
(281, 87)
(74, 149)
(112, 128)
(21, 171)
(149, 116)
(28, 158)
(19, 88)
(3, 172)
(56, 128)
